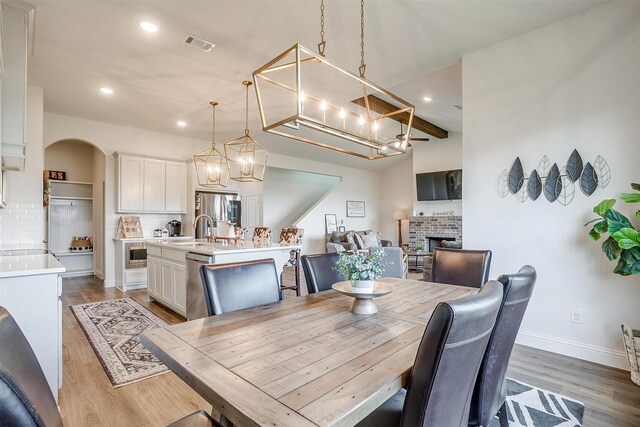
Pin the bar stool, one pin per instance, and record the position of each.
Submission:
(292, 236)
(261, 236)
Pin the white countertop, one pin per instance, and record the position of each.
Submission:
(145, 239)
(202, 247)
(29, 265)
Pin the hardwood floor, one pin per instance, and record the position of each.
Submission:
(88, 399)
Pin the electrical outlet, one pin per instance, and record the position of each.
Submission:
(576, 315)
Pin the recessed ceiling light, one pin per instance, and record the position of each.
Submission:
(427, 99)
(181, 123)
(148, 26)
(106, 90)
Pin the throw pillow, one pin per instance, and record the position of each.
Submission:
(335, 237)
(452, 244)
(370, 241)
(359, 242)
(378, 238)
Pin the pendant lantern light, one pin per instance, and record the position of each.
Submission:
(212, 167)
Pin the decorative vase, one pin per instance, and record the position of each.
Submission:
(362, 285)
(632, 345)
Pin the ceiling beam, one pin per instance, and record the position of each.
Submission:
(381, 106)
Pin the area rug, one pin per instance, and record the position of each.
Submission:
(529, 406)
(113, 329)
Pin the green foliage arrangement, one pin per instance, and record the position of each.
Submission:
(360, 266)
(623, 242)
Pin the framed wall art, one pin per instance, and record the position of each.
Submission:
(331, 223)
(355, 209)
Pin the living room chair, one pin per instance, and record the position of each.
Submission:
(319, 273)
(446, 365)
(394, 260)
(490, 390)
(292, 236)
(240, 285)
(462, 267)
(25, 397)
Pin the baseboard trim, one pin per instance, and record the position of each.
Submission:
(98, 274)
(592, 353)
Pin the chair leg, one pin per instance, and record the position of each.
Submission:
(502, 415)
(296, 270)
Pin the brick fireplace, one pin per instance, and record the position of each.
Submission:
(428, 231)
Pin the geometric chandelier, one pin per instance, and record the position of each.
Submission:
(247, 157)
(212, 167)
(303, 96)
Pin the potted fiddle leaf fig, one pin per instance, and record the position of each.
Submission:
(623, 244)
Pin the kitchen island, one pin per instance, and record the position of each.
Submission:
(172, 269)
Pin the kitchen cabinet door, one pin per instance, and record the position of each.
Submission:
(166, 287)
(176, 187)
(180, 287)
(154, 276)
(154, 185)
(130, 180)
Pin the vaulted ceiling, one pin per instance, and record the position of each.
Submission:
(412, 47)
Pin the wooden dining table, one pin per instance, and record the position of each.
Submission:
(306, 361)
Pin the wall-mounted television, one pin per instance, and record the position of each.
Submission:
(442, 185)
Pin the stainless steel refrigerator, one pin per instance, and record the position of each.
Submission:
(220, 206)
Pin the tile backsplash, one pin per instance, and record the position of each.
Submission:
(22, 226)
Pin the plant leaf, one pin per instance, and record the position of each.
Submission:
(616, 221)
(635, 186)
(604, 206)
(594, 234)
(601, 227)
(611, 249)
(593, 220)
(634, 268)
(630, 197)
(627, 238)
(621, 267)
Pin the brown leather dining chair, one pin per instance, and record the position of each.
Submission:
(25, 397)
(462, 267)
(446, 365)
(490, 389)
(239, 285)
(319, 273)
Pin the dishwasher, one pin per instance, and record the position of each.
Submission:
(196, 305)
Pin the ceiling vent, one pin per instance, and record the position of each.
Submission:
(199, 43)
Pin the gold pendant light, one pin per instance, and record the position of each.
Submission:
(301, 95)
(247, 157)
(212, 167)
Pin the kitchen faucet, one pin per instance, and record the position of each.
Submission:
(195, 223)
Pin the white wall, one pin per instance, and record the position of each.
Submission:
(397, 193)
(432, 156)
(572, 84)
(22, 222)
(73, 157)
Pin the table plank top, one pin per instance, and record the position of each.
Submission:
(305, 361)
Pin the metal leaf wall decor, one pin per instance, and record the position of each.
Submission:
(534, 186)
(556, 184)
(602, 171)
(503, 184)
(551, 184)
(574, 166)
(516, 176)
(588, 180)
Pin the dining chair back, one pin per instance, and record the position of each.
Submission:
(319, 273)
(393, 260)
(25, 397)
(240, 285)
(490, 390)
(461, 267)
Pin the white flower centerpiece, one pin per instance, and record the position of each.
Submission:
(361, 268)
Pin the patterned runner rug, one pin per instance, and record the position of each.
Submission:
(113, 329)
(529, 406)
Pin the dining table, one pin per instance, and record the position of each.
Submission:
(305, 361)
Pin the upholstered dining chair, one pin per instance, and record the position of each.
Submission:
(461, 267)
(239, 285)
(319, 273)
(261, 236)
(446, 365)
(393, 259)
(292, 236)
(490, 390)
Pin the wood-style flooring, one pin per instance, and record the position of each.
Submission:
(88, 399)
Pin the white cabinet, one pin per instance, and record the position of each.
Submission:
(176, 187)
(153, 187)
(150, 185)
(130, 178)
(167, 279)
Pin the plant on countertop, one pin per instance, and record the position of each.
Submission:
(360, 266)
(419, 248)
(623, 242)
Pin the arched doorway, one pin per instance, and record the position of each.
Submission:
(75, 226)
